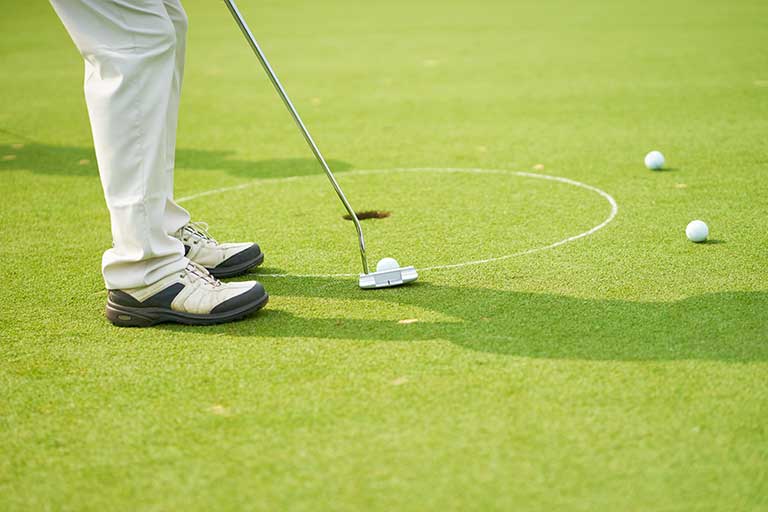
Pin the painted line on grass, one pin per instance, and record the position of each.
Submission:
(605, 195)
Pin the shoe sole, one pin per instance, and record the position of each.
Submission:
(237, 270)
(126, 316)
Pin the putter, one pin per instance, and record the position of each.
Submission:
(381, 278)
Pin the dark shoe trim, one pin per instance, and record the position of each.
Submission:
(127, 316)
(239, 263)
(161, 299)
(253, 295)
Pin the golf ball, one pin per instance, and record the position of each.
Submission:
(654, 160)
(387, 264)
(697, 231)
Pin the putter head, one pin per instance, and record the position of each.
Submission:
(388, 278)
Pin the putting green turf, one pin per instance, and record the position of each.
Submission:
(626, 370)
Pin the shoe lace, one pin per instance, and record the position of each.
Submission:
(198, 231)
(201, 272)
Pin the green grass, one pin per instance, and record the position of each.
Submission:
(627, 370)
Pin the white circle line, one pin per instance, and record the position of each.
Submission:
(611, 201)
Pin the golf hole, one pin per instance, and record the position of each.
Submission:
(371, 214)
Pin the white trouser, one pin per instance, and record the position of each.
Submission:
(134, 63)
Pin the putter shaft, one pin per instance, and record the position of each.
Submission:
(281, 91)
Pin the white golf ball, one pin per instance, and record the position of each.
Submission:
(697, 231)
(387, 264)
(654, 160)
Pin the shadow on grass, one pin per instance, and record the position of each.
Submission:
(727, 326)
(77, 161)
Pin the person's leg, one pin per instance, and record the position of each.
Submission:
(130, 53)
(176, 217)
(221, 260)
